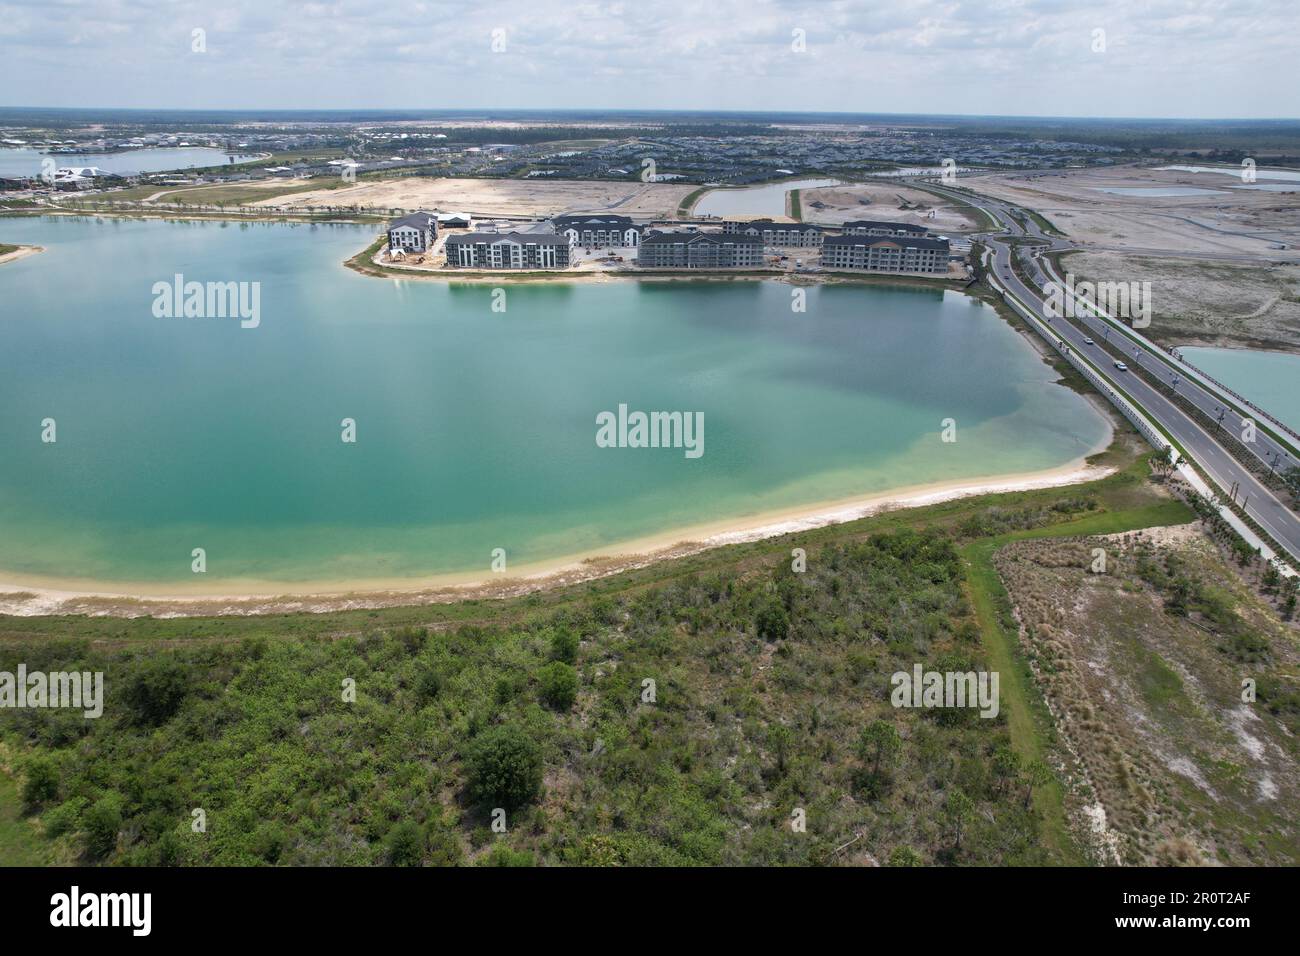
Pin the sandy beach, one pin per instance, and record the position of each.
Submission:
(33, 596)
(22, 252)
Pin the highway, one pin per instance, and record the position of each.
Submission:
(1223, 469)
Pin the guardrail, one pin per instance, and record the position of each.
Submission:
(1144, 426)
(1282, 426)
(1169, 356)
(1126, 408)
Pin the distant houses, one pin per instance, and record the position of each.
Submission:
(893, 254)
(698, 250)
(413, 233)
(789, 234)
(529, 247)
(598, 230)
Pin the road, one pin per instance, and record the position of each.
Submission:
(1223, 469)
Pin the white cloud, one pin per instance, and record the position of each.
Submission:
(1163, 57)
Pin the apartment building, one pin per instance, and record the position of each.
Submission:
(869, 227)
(531, 247)
(698, 250)
(909, 254)
(598, 230)
(413, 233)
(799, 234)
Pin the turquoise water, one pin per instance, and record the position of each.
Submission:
(1261, 172)
(475, 429)
(1269, 379)
(27, 162)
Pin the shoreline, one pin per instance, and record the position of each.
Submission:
(22, 252)
(41, 596)
(188, 215)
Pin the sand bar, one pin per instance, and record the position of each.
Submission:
(22, 252)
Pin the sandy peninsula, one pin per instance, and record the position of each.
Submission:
(22, 252)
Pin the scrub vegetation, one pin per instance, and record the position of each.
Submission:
(696, 711)
(1177, 685)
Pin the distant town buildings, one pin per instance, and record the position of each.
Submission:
(698, 250)
(895, 254)
(801, 234)
(413, 233)
(529, 247)
(598, 230)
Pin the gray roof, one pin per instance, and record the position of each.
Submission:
(762, 224)
(875, 224)
(538, 237)
(564, 222)
(908, 242)
(656, 237)
(417, 220)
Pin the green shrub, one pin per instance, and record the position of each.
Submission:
(558, 685)
(66, 817)
(564, 646)
(443, 847)
(427, 685)
(772, 622)
(155, 691)
(904, 856)
(269, 841)
(505, 767)
(502, 855)
(102, 822)
(405, 844)
(42, 783)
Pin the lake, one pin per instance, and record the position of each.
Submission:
(750, 201)
(475, 429)
(1269, 379)
(1261, 172)
(1158, 190)
(27, 162)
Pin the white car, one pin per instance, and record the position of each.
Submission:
(1121, 366)
(1089, 342)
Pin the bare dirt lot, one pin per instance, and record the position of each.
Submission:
(1142, 667)
(1219, 273)
(833, 205)
(500, 197)
(1223, 221)
(1206, 302)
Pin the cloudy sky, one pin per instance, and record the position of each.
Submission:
(1176, 58)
